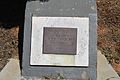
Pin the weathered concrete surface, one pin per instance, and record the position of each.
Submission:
(11, 71)
(104, 70)
(60, 8)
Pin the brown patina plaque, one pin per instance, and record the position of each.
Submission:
(59, 40)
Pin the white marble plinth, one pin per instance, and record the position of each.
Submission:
(82, 56)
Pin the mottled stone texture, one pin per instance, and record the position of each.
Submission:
(61, 8)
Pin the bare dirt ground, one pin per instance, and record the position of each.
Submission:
(8, 45)
(109, 31)
(108, 35)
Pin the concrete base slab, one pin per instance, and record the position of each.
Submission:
(11, 71)
(60, 8)
(104, 70)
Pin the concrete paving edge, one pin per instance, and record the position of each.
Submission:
(104, 70)
(11, 71)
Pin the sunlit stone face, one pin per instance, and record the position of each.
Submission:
(60, 41)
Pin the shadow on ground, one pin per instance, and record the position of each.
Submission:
(12, 12)
(12, 15)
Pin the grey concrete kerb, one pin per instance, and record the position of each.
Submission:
(104, 70)
(11, 71)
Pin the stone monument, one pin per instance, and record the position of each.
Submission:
(60, 37)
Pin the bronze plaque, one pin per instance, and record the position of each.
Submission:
(59, 40)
